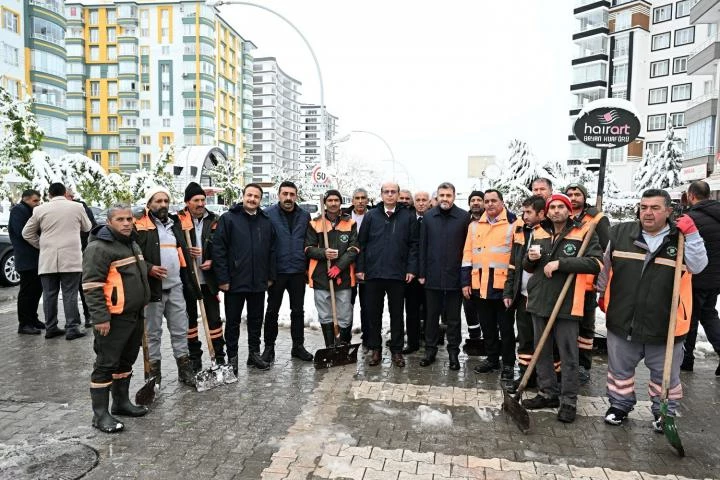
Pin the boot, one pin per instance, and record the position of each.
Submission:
(255, 360)
(268, 354)
(328, 334)
(155, 372)
(298, 351)
(233, 361)
(453, 360)
(185, 371)
(102, 420)
(345, 335)
(196, 364)
(121, 400)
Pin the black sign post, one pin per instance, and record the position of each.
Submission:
(606, 123)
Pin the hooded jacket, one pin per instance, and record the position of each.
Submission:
(706, 215)
(343, 237)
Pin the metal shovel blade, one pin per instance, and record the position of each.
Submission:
(670, 430)
(517, 412)
(336, 356)
(146, 395)
(228, 375)
(474, 347)
(208, 379)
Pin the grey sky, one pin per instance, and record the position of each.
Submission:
(438, 80)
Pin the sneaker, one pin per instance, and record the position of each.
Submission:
(566, 413)
(486, 366)
(657, 424)
(615, 416)
(539, 401)
(508, 372)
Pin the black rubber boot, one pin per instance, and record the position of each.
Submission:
(328, 334)
(196, 364)
(298, 351)
(453, 360)
(233, 361)
(102, 420)
(121, 400)
(255, 360)
(345, 335)
(155, 372)
(268, 354)
(185, 371)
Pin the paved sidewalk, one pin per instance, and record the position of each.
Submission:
(347, 422)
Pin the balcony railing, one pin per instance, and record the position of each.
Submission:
(54, 5)
(50, 38)
(700, 152)
(701, 99)
(704, 44)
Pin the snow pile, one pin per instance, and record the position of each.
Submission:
(485, 413)
(431, 418)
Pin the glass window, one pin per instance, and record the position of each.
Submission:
(112, 89)
(112, 159)
(95, 106)
(620, 74)
(682, 8)
(165, 122)
(659, 68)
(95, 53)
(96, 156)
(684, 36)
(94, 35)
(660, 41)
(680, 64)
(623, 20)
(677, 119)
(112, 71)
(144, 104)
(700, 137)
(111, 15)
(93, 17)
(111, 35)
(48, 31)
(95, 125)
(145, 122)
(662, 14)
(112, 53)
(112, 124)
(94, 89)
(681, 92)
(11, 21)
(657, 95)
(656, 122)
(112, 106)
(145, 139)
(48, 63)
(11, 55)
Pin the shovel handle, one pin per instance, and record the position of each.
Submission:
(553, 315)
(146, 353)
(336, 327)
(201, 303)
(670, 343)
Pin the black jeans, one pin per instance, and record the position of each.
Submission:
(358, 291)
(496, 319)
(415, 312)
(705, 313)
(234, 303)
(472, 318)
(375, 291)
(447, 303)
(212, 309)
(28, 298)
(294, 283)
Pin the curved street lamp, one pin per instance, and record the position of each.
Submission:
(394, 161)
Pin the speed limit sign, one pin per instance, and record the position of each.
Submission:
(319, 176)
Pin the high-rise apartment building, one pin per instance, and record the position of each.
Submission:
(144, 76)
(637, 50)
(312, 130)
(276, 122)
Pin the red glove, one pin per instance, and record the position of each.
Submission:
(601, 304)
(334, 271)
(686, 225)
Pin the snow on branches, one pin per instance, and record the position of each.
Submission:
(661, 170)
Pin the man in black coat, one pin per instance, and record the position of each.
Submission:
(26, 264)
(706, 284)
(387, 261)
(442, 238)
(243, 259)
(84, 236)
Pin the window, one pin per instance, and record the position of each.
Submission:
(623, 20)
(660, 41)
(145, 160)
(111, 35)
(166, 122)
(145, 139)
(95, 106)
(95, 125)
(112, 53)
(145, 122)
(653, 147)
(112, 89)
(94, 89)
(94, 53)
(112, 106)
(659, 69)
(96, 156)
(11, 21)
(662, 14)
(144, 104)
(112, 160)
(112, 124)
(680, 64)
(657, 95)
(165, 140)
(684, 36)
(93, 17)
(112, 71)
(677, 119)
(165, 49)
(620, 74)
(681, 92)
(656, 122)
(682, 8)
(10, 54)
(111, 16)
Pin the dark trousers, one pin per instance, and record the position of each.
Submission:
(586, 331)
(525, 335)
(376, 290)
(29, 298)
(117, 351)
(447, 303)
(705, 313)
(498, 328)
(234, 303)
(294, 283)
(212, 309)
(472, 318)
(563, 337)
(69, 283)
(86, 311)
(415, 312)
(358, 291)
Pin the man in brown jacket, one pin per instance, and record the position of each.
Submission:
(54, 229)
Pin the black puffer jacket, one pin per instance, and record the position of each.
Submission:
(706, 215)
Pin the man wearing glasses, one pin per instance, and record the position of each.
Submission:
(387, 261)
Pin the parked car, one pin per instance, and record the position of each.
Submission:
(217, 208)
(9, 277)
(311, 208)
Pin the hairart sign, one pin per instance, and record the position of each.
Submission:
(607, 123)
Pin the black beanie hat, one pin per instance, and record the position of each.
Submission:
(475, 193)
(330, 193)
(193, 189)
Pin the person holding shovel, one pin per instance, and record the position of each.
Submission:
(552, 256)
(636, 289)
(117, 290)
(341, 250)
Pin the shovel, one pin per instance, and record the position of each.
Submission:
(669, 428)
(511, 404)
(146, 394)
(216, 375)
(336, 355)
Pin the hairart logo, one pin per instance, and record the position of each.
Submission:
(608, 117)
(607, 127)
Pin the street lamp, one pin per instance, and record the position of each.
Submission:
(347, 136)
(217, 3)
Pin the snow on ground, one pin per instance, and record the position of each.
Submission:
(428, 417)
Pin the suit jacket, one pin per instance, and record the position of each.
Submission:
(55, 229)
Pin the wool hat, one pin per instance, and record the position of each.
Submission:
(332, 192)
(150, 193)
(577, 186)
(475, 193)
(558, 197)
(193, 189)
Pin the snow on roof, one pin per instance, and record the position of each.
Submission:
(609, 103)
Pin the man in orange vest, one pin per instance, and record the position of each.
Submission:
(486, 259)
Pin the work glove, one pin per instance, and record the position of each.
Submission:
(686, 225)
(334, 271)
(601, 304)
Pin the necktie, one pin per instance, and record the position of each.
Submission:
(389, 213)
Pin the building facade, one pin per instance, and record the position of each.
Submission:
(311, 133)
(637, 50)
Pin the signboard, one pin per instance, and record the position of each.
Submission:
(478, 163)
(607, 123)
(319, 176)
(696, 172)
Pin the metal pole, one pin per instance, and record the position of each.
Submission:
(392, 155)
(601, 178)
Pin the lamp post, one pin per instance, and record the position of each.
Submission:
(217, 3)
(394, 161)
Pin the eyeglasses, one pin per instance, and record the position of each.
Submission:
(389, 192)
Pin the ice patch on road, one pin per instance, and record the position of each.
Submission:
(485, 413)
(431, 418)
(392, 412)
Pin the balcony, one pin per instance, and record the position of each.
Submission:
(705, 11)
(703, 60)
(587, 5)
(52, 5)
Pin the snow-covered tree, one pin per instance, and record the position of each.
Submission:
(159, 174)
(518, 172)
(663, 169)
(228, 176)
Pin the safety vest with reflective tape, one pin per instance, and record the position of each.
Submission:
(588, 219)
(343, 238)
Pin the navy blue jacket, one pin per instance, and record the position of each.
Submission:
(243, 252)
(442, 239)
(388, 246)
(290, 246)
(26, 256)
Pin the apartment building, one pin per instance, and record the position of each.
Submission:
(637, 50)
(312, 130)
